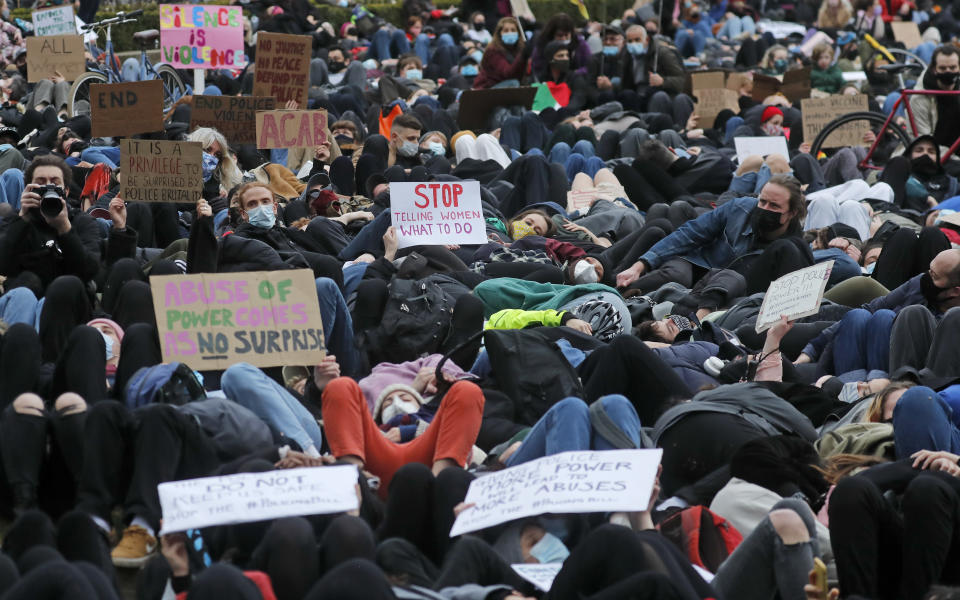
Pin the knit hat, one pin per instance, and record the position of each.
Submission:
(109, 323)
(460, 134)
(323, 201)
(389, 391)
(520, 229)
(769, 112)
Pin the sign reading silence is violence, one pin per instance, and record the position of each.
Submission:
(202, 37)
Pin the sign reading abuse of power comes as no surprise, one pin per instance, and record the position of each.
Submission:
(437, 213)
(265, 318)
(201, 37)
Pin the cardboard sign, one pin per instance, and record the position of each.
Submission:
(246, 497)
(906, 32)
(54, 21)
(283, 67)
(569, 482)
(794, 84)
(55, 54)
(291, 128)
(817, 112)
(476, 105)
(437, 213)
(713, 100)
(763, 146)
(540, 575)
(701, 80)
(265, 318)
(233, 116)
(795, 295)
(119, 109)
(160, 171)
(582, 200)
(202, 37)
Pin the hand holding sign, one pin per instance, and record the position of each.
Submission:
(795, 295)
(437, 213)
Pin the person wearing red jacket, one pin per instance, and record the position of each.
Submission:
(505, 58)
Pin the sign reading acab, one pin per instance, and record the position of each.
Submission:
(291, 128)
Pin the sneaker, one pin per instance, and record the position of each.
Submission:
(136, 546)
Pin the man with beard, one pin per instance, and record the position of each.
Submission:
(939, 116)
(918, 180)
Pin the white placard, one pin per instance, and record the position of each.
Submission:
(54, 21)
(795, 295)
(539, 575)
(763, 145)
(436, 213)
(569, 482)
(247, 497)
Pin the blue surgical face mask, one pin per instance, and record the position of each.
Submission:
(108, 342)
(510, 38)
(414, 74)
(637, 48)
(469, 70)
(549, 550)
(611, 50)
(780, 65)
(370, 64)
(262, 216)
(210, 163)
(849, 393)
(437, 148)
(477, 55)
(869, 268)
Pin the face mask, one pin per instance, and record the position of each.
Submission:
(549, 550)
(521, 230)
(408, 149)
(469, 70)
(510, 38)
(682, 323)
(262, 216)
(584, 272)
(849, 393)
(343, 139)
(611, 50)
(210, 163)
(924, 165)
(561, 66)
(877, 10)
(764, 221)
(869, 268)
(336, 66)
(477, 56)
(780, 65)
(947, 79)
(109, 344)
(479, 26)
(399, 407)
(931, 291)
(771, 129)
(414, 74)
(370, 64)
(637, 48)
(437, 148)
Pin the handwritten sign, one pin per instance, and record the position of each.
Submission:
(437, 213)
(160, 171)
(702, 80)
(569, 482)
(762, 146)
(540, 575)
(711, 101)
(291, 128)
(817, 112)
(907, 32)
(246, 497)
(795, 295)
(265, 318)
(54, 21)
(233, 116)
(582, 200)
(120, 109)
(283, 67)
(202, 37)
(55, 54)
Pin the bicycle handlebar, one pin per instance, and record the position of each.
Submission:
(120, 17)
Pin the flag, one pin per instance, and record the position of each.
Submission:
(582, 8)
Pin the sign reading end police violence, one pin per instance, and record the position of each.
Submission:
(437, 213)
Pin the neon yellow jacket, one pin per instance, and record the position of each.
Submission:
(516, 318)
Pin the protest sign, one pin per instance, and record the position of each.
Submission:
(762, 146)
(246, 497)
(54, 21)
(202, 37)
(119, 109)
(540, 575)
(233, 116)
(702, 80)
(265, 318)
(795, 295)
(48, 55)
(582, 200)
(291, 128)
(160, 171)
(477, 105)
(569, 482)
(711, 101)
(794, 84)
(437, 213)
(907, 32)
(283, 67)
(817, 112)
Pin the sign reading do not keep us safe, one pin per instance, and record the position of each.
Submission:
(437, 213)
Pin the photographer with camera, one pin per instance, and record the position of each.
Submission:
(49, 238)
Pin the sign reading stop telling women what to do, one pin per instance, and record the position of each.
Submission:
(202, 37)
(437, 213)
(569, 482)
(265, 318)
(795, 295)
(160, 171)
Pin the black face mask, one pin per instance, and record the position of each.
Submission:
(479, 26)
(336, 66)
(344, 139)
(764, 221)
(930, 290)
(561, 66)
(924, 165)
(947, 79)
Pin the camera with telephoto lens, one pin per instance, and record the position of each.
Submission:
(51, 200)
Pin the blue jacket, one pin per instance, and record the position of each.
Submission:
(713, 240)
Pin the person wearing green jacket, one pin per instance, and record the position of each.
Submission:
(825, 76)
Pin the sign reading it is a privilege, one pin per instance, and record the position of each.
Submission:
(795, 295)
(265, 318)
(817, 112)
(54, 21)
(160, 171)
(246, 497)
(119, 109)
(201, 37)
(291, 128)
(283, 67)
(437, 213)
(569, 482)
(52, 54)
(233, 116)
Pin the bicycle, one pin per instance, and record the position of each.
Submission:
(109, 72)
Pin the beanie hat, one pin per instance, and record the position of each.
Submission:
(323, 201)
(769, 112)
(109, 323)
(389, 391)
(520, 229)
(554, 47)
(460, 134)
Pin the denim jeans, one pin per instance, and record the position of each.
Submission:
(731, 128)
(384, 41)
(421, 47)
(890, 101)
(562, 151)
(250, 387)
(734, 27)
(370, 238)
(337, 325)
(752, 183)
(108, 155)
(578, 163)
(566, 426)
(862, 341)
(19, 305)
(690, 44)
(11, 187)
(922, 420)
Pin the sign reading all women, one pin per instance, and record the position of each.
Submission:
(202, 37)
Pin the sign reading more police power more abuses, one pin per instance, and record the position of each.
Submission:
(160, 171)
(795, 295)
(437, 213)
(265, 318)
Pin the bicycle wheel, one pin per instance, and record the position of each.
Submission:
(80, 91)
(895, 135)
(173, 86)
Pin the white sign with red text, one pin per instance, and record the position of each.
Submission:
(437, 213)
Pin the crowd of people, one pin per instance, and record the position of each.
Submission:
(614, 306)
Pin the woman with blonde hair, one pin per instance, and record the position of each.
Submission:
(213, 142)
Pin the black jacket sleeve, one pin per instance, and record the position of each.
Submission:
(81, 248)
(121, 244)
(202, 247)
(12, 237)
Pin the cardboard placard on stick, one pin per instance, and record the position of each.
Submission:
(291, 128)
(711, 101)
(476, 105)
(817, 112)
(54, 21)
(233, 116)
(51, 54)
(119, 109)
(265, 318)
(907, 32)
(795, 85)
(283, 67)
(160, 171)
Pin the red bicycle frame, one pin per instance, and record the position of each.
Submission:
(905, 100)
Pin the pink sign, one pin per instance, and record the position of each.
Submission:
(202, 37)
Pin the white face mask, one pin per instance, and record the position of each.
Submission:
(399, 406)
(584, 272)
